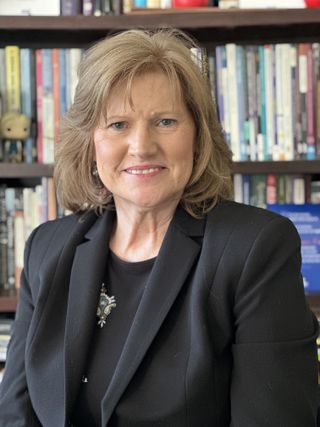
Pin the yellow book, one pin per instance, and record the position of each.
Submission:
(12, 58)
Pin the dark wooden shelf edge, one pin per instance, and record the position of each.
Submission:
(24, 170)
(294, 166)
(191, 18)
(8, 304)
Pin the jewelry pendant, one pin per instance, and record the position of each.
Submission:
(106, 304)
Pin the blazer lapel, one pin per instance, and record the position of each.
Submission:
(176, 257)
(87, 274)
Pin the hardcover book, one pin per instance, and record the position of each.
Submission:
(306, 218)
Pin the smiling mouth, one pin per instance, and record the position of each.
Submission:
(143, 171)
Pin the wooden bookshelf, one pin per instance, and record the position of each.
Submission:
(23, 170)
(211, 26)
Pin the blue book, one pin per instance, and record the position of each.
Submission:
(140, 3)
(63, 80)
(306, 218)
(242, 107)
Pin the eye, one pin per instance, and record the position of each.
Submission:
(118, 125)
(167, 122)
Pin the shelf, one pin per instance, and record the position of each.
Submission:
(207, 24)
(295, 166)
(24, 170)
(8, 304)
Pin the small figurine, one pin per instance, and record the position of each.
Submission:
(14, 128)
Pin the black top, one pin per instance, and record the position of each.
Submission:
(125, 281)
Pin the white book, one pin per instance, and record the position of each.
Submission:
(233, 100)
(30, 7)
(287, 98)
(238, 187)
(270, 96)
(263, 4)
(278, 150)
(73, 60)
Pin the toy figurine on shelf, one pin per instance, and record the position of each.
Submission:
(14, 128)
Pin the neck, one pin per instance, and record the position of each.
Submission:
(139, 233)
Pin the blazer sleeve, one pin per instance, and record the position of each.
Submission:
(274, 379)
(15, 405)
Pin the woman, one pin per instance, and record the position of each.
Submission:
(159, 302)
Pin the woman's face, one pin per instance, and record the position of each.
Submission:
(144, 153)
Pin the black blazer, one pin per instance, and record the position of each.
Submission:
(222, 336)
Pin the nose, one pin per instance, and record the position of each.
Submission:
(142, 141)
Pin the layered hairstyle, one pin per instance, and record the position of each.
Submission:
(118, 59)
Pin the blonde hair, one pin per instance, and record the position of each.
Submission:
(118, 59)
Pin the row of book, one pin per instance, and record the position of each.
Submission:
(39, 83)
(268, 97)
(60, 7)
(263, 190)
(21, 210)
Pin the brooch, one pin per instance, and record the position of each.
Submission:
(106, 304)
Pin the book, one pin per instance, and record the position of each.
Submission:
(13, 90)
(39, 89)
(265, 4)
(47, 107)
(87, 7)
(3, 243)
(71, 7)
(306, 218)
(30, 7)
(28, 100)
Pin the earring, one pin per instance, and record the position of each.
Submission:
(94, 171)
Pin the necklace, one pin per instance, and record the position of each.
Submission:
(105, 305)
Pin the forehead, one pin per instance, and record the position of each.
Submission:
(149, 89)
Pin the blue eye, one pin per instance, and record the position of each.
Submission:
(167, 122)
(118, 125)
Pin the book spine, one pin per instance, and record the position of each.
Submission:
(10, 207)
(12, 58)
(233, 100)
(62, 81)
(39, 105)
(87, 7)
(311, 148)
(278, 152)
(47, 107)
(56, 92)
(287, 103)
(252, 85)
(271, 190)
(242, 102)
(270, 96)
(262, 137)
(27, 99)
(3, 84)
(3, 243)
(303, 88)
(71, 7)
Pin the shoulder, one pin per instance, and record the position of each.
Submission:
(240, 218)
(52, 236)
(236, 230)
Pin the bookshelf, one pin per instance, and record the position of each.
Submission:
(211, 26)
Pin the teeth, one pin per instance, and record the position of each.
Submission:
(142, 171)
